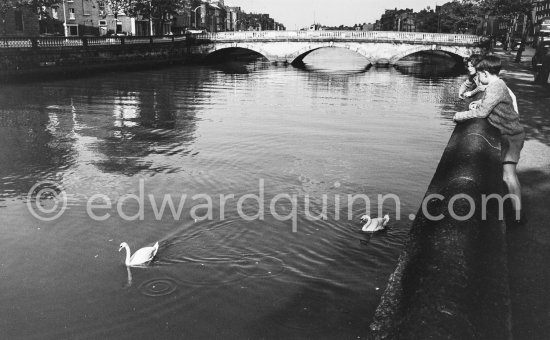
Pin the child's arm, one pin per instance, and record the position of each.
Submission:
(493, 96)
(475, 91)
(466, 86)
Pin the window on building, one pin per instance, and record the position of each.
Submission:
(86, 7)
(119, 27)
(102, 22)
(18, 20)
(71, 14)
(72, 30)
(101, 7)
(55, 13)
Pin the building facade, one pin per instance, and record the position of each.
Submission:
(95, 18)
(542, 11)
(19, 22)
(85, 18)
(397, 20)
(406, 21)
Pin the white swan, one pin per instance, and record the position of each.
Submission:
(141, 256)
(374, 224)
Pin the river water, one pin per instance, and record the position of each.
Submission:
(85, 164)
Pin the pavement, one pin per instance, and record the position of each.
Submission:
(529, 245)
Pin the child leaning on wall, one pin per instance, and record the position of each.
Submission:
(497, 105)
(471, 86)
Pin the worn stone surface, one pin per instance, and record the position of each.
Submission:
(451, 279)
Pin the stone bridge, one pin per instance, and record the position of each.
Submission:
(376, 46)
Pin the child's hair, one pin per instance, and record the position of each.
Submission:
(491, 64)
(474, 59)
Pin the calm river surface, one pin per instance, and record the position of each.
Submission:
(114, 146)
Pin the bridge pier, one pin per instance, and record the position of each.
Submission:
(382, 62)
(279, 61)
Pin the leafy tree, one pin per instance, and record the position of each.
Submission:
(459, 16)
(157, 11)
(427, 21)
(37, 6)
(118, 6)
(513, 10)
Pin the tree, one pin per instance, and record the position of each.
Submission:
(118, 6)
(157, 11)
(427, 21)
(513, 10)
(459, 16)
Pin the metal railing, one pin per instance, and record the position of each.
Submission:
(49, 42)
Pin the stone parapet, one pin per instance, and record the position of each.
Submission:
(451, 281)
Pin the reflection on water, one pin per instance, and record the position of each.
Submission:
(435, 64)
(337, 61)
(123, 143)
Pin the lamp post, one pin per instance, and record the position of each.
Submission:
(151, 18)
(64, 20)
(195, 10)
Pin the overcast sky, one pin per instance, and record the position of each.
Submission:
(296, 14)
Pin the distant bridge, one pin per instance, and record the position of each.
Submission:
(376, 46)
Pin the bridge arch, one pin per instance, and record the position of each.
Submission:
(458, 53)
(298, 56)
(222, 48)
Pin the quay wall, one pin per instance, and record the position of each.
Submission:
(451, 280)
(29, 62)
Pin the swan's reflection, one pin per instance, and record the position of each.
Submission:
(129, 282)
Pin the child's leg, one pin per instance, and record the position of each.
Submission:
(511, 148)
(510, 177)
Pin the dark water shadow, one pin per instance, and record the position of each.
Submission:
(315, 311)
(426, 65)
(241, 66)
(236, 61)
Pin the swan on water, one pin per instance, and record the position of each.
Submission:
(141, 256)
(374, 224)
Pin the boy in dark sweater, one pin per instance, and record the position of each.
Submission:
(497, 106)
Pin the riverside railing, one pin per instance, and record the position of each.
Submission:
(417, 37)
(49, 42)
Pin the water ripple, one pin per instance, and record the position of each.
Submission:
(261, 266)
(158, 287)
